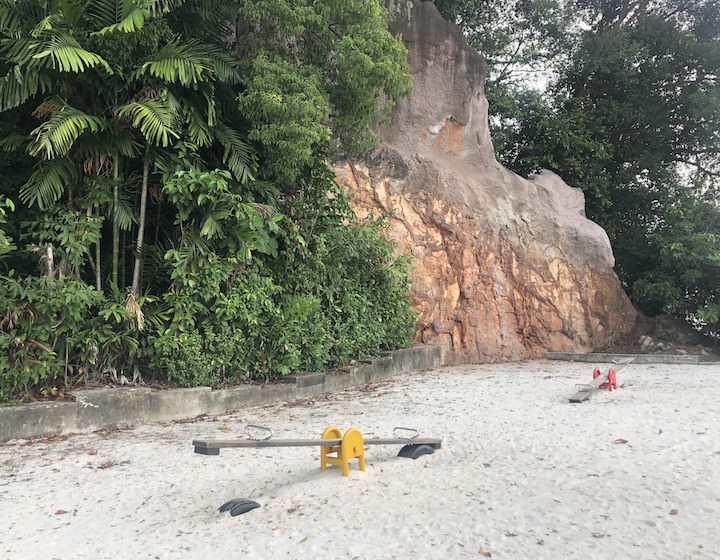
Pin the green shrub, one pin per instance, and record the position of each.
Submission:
(56, 331)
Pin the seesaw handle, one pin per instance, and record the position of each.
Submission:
(253, 435)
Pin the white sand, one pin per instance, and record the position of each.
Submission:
(522, 474)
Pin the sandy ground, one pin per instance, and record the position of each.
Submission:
(522, 474)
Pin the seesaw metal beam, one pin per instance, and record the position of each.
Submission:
(213, 446)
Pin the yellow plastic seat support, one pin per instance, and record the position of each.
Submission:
(351, 447)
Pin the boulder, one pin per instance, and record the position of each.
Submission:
(505, 268)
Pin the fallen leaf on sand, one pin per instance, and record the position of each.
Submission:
(303, 540)
(620, 440)
(674, 511)
(485, 553)
(541, 542)
(61, 512)
(108, 464)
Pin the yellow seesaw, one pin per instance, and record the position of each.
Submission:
(336, 448)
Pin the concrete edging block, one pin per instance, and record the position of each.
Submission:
(609, 358)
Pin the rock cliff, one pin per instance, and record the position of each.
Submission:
(504, 267)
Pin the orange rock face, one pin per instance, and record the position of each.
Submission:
(489, 294)
(505, 268)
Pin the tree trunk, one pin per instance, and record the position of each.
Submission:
(115, 228)
(96, 264)
(141, 227)
(98, 274)
(49, 261)
(157, 221)
(123, 258)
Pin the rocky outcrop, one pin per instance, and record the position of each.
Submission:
(504, 267)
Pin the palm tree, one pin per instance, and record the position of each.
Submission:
(121, 87)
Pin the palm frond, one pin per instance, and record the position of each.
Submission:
(107, 141)
(238, 155)
(65, 54)
(10, 18)
(212, 225)
(224, 64)
(197, 130)
(183, 63)
(56, 136)
(191, 63)
(15, 14)
(18, 85)
(123, 16)
(123, 213)
(156, 119)
(48, 182)
(14, 143)
(209, 19)
(46, 24)
(160, 7)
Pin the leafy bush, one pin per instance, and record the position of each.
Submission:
(54, 331)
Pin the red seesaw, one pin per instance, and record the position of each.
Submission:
(600, 381)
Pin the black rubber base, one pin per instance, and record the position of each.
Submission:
(413, 451)
(207, 450)
(238, 506)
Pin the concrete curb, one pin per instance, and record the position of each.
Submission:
(95, 409)
(615, 358)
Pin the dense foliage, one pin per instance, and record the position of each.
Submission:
(166, 206)
(631, 115)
